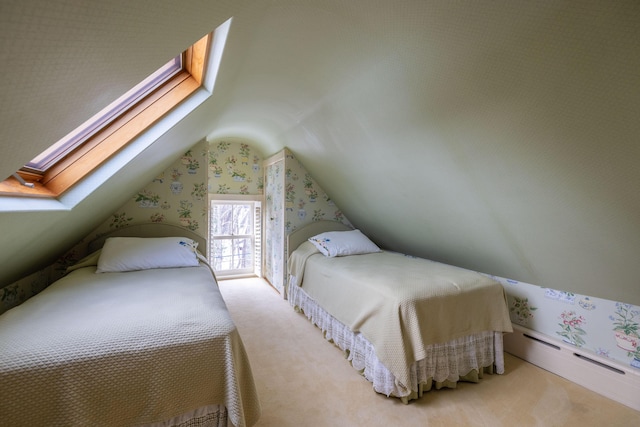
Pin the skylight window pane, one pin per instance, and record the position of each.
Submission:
(58, 150)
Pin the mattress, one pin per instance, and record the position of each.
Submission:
(129, 348)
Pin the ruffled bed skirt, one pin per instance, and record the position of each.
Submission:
(463, 359)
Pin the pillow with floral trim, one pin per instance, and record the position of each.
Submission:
(142, 253)
(343, 243)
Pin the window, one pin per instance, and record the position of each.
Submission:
(64, 164)
(234, 243)
(57, 151)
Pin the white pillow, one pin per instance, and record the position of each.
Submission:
(141, 253)
(343, 243)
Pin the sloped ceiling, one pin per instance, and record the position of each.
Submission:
(498, 136)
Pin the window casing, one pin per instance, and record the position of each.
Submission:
(235, 237)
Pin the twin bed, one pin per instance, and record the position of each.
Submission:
(407, 324)
(135, 334)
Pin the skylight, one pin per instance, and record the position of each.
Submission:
(77, 137)
(74, 157)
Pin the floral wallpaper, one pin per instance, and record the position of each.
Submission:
(607, 328)
(234, 168)
(177, 196)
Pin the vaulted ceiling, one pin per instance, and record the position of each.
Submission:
(499, 136)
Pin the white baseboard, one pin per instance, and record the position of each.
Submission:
(601, 375)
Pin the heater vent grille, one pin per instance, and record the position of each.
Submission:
(605, 377)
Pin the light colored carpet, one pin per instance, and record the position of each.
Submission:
(303, 380)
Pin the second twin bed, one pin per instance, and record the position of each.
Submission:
(408, 324)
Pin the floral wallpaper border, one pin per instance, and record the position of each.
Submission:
(610, 329)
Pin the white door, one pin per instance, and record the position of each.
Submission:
(274, 263)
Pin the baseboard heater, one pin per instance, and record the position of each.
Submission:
(599, 374)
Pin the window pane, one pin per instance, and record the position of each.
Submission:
(243, 215)
(223, 220)
(232, 254)
(234, 245)
(243, 254)
(215, 220)
(222, 255)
